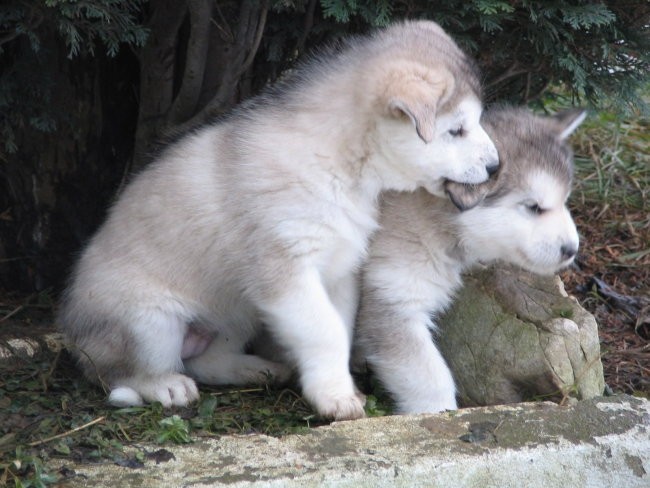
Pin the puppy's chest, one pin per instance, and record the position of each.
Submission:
(338, 235)
(348, 234)
(326, 221)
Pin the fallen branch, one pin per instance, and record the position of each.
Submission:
(12, 313)
(66, 434)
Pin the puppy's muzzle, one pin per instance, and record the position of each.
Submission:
(492, 168)
(568, 251)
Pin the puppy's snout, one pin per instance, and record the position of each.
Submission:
(568, 251)
(492, 168)
(491, 159)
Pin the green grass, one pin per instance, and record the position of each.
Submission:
(611, 197)
(613, 162)
(48, 411)
(611, 206)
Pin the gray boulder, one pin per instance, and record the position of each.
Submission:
(513, 336)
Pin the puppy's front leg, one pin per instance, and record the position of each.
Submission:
(399, 348)
(304, 321)
(344, 295)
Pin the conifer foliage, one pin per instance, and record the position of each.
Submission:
(87, 87)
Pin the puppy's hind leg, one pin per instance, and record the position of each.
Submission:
(225, 363)
(156, 356)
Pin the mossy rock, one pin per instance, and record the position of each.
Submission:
(513, 336)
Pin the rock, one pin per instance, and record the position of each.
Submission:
(28, 346)
(595, 443)
(512, 336)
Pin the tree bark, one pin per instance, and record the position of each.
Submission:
(214, 61)
(157, 64)
(185, 104)
(240, 56)
(54, 192)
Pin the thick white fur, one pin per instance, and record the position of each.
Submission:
(264, 218)
(424, 244)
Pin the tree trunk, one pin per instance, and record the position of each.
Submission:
(59, 183)
(157, 65)
(188, 77)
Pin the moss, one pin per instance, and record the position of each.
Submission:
(565, 313)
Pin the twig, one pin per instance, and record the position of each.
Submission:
(104, 386)
(17, 258)
(297, 397)
(69, 432)
(45, 379)
(126, 436)
(229, 392)
(18, 308)
(12, 313)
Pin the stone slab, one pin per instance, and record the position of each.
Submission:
(595, 443)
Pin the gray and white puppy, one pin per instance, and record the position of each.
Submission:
(425, 243)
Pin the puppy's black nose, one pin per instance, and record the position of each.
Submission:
(568, 251)
(492, 168)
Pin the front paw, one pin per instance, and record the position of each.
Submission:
(338, 405)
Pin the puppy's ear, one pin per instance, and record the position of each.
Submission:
(418, 97)
(466, 196)
(566, 122)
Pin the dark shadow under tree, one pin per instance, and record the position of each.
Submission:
(88, 89)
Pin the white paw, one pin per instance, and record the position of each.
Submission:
(346, 404)
(236, 369)
(341, 408)
(174, 389)
(170, 390)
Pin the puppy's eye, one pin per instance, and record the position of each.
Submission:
(459, 132)
(535, 209)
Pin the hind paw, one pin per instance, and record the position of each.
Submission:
(170, 390)
(236, 369)
(269, 372)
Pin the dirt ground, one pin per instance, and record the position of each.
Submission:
(611, 279)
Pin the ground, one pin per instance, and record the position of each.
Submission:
(611, 206)
(47, 410)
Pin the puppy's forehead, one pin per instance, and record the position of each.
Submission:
(468, 108)
(525, 143)
(547, 189)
